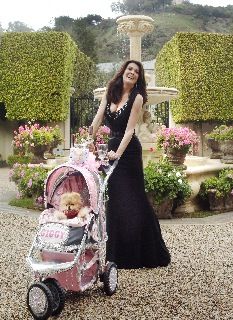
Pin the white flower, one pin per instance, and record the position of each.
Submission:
(178, 174)
(180, 181)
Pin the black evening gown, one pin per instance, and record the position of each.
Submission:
(134, 235)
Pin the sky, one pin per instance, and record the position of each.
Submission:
(39, 13)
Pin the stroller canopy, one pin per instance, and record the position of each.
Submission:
(68, 178)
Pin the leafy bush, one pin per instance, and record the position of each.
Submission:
(16, 158)
(221, 133)
(36, 71)
(221, 185)
(30, 180)
(164, 180)
(200, 66)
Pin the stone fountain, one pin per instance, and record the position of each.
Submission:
(135, 26)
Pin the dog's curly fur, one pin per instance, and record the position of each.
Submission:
(71, 201)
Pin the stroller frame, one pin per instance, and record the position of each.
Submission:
(69, 267)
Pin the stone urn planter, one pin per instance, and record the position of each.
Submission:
(216, 203)
(214, 145)
(176, 156)
(51, 148)
(226, 147)
(220, 204)
(229, 202)
(38, 153)
(162, 210)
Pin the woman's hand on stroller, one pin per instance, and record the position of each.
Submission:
(112, 155)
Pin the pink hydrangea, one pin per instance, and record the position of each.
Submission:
(177, 138)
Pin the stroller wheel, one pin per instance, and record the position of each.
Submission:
(110, 276)
(39, 301)
(58, 294)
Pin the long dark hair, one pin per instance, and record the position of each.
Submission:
(115, 86)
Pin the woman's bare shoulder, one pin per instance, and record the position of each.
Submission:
(138, 99)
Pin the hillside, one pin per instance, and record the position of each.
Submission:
(113, 47)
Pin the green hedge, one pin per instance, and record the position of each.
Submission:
(36, 73)
(200, 66)
(85, 79)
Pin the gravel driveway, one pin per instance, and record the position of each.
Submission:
(197, 285)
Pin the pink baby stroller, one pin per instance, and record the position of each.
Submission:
(65, 258)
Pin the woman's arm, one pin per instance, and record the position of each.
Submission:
(98, 119)
(133, 119)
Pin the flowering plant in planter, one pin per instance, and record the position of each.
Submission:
(164, 180)
(30, 136)
(217, 192)
(179, 138)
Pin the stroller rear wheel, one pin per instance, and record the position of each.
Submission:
(110, 276)
(58, 294)
(39, 301)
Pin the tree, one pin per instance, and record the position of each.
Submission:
(138, 6)
(18, 26)
(64, 23)
(85, 38)
(93, 19)
(118, 7)
(81, 31)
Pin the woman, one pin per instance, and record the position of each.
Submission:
(134, 235)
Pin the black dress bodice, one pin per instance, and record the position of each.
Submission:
(117, 120)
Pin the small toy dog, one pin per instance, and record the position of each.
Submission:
(71, 206)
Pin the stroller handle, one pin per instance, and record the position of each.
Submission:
(108, 171)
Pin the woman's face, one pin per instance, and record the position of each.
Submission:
(131, 74)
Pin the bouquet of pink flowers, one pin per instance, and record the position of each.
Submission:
(102, 135)
(81, 136)
(180, 138)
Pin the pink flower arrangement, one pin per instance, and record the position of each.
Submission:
(102, 135)
(181, 138)
(81, 136)
(32, 135)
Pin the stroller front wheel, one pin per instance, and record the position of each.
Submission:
(58, 294)
(110, 277)
(39, 301)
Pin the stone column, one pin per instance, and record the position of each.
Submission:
(135, 47)
(135, 27)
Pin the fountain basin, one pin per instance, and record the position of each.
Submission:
(155, 95)
(199, 169)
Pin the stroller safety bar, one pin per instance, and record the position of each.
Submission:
(46, 268)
